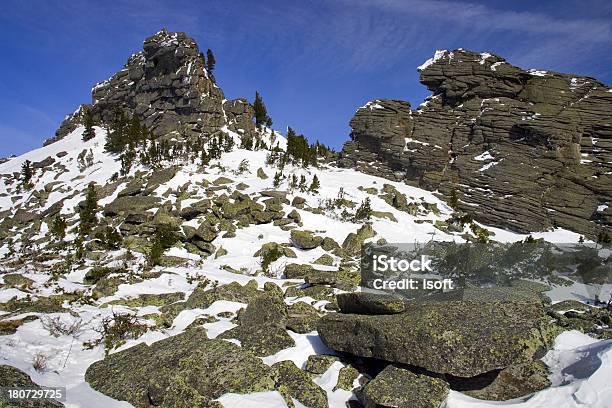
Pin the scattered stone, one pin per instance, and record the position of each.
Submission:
(295, 383)
(396, 387)
(10, 326)
(324, 259)
(261, 326)
(305, 239)
(297, 271)
(146, 299)
(346, 378)
(15, 280)
(295, 216)
(353, 242)
(220, 181)
(298, 202)
(514, 382)
(275, 247)
(319, 363)
(261, 174)
(302, 318)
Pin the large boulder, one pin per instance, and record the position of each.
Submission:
(463, 338)
(183, 370)
(131, 205)
(353, 242)
(261, 326)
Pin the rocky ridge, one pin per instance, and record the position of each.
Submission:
(523, 150)
(169, 88)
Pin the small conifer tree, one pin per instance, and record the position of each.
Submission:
(314, 186)
(58, 228)
(302, 185)
(364, 212)
(210, 62)
(88, 122)
(278, 177)
(26, 174)
(247, 143)
(87, 213)
(261, 113)
(294, 182)
(228, 143)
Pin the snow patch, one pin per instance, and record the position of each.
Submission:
(439, 54)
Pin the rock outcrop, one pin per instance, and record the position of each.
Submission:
(460, 338)
(168, 87)
(524, 150)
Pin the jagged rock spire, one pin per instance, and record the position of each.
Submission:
(168, 87)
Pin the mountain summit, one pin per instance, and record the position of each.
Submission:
(168, 86)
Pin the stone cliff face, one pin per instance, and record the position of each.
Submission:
(525, 150)
(168, 87)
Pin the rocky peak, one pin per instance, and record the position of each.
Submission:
(523, 149)
(168, 87)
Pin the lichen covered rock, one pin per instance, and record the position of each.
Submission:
(396, 387)
(171, 371)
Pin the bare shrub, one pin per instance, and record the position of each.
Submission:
(57, 327)
(40, 362)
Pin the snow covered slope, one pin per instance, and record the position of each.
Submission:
(580, 365)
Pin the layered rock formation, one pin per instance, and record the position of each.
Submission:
(168, 87)
(525, 150)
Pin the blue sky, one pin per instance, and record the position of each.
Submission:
(314, 62)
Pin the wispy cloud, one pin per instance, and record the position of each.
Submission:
(482, 17)
(538, 38)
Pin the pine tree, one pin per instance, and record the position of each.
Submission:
(58, 228)
(228, 144)
(278, 177)
(214, 150)
(312, 156)
(293, 183)
(204, 158)
(26, 174)
(117, 137)
(134, 132)
(210, 62)
(165, 237)
(127, 160)
(88, 122)
(155, 253)
(87, 213)
(247, 143)
(364, 212)
(454, 200)
(314, 186)
(302, 184)
(261, 113)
